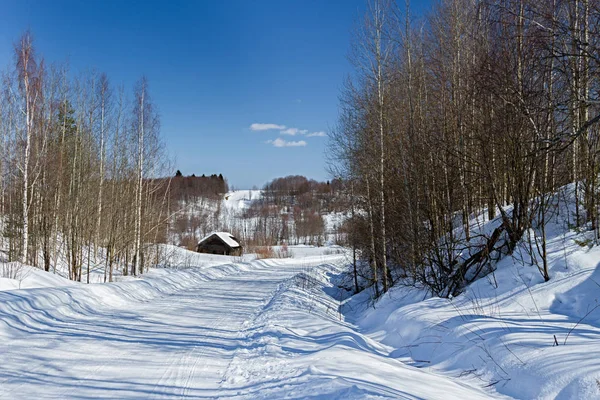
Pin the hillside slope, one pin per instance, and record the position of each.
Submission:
(510, 330)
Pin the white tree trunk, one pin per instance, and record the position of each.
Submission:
(138, 222)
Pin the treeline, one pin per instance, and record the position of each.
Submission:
(482, 105)
(297, 190)
(291, 211)
(75, 155)
(194, 204)
(190, 188)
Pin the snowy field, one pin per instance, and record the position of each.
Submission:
(243, 330)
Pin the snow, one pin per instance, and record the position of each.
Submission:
(213, 326)
(503, 330)
(334, 220)
(225, 237)
(17, 276)
(239, 330)
(241, 199)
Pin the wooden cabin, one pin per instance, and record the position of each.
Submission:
(220, 243)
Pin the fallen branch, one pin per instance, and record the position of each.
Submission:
(578, 322)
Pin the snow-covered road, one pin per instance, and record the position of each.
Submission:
(264, 329)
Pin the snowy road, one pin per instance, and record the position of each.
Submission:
(254, 330)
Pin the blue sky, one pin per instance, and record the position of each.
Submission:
(214, 68)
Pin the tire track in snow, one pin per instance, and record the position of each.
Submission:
(192, 342)
(186, 365)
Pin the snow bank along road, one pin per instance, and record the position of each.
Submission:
(264, 329)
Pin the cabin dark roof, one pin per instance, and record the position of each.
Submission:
(225, 237)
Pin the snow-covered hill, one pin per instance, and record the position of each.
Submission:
(241, 199)
(253, 218)
(527, 338)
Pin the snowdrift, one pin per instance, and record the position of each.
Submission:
(264, 329)
(510, 330)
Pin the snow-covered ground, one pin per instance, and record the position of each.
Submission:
(211, 326)
(241, 199)
(17, 276)
(244, 330)
(527, 338)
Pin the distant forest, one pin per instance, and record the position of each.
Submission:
(288, 210)
(190, 188)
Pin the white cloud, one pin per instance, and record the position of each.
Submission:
(294, 131)
(266, 127)
(284, 130)
(284, 143)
